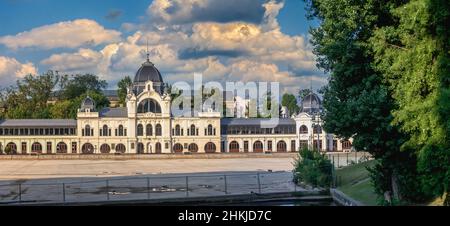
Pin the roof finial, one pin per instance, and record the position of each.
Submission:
(148, 55)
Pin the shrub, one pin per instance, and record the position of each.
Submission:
(313, 168)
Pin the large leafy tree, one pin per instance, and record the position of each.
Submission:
(290, 102)
(413, 54)
(123, 85)
(80, 84)
(357, 101)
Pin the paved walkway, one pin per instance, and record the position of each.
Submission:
(36, 169)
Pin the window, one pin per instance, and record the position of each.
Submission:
(317, 129)
(105, 131)
(49, 147)
(120, 148)
(149, 105)
(158, 148)
(210, 147)
(281, 146)
(87, 131)
(246, 146)
(258, 146)
(178, 148)
(74, 147)
(303, 129)
(234, 147)
(193, 147)
(140, 130)
(36, 148)
(121, 131)
(177, 130)
(158, 130)
(210, 130)
(61, 148)
(346, 144)
(269, 145)
(24, 147)
(293, 145)
(192, 131)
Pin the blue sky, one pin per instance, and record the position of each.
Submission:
(18, 16)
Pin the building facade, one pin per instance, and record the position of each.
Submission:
(147, 126)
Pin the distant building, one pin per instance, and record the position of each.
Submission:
(146, 125)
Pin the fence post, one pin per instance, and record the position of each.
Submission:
(259, 184)
(64, 192)
(20, 192)
(347, 158)
(333, 162)
(226, 185)
(107, 190)
(148, 187)
(187, 186)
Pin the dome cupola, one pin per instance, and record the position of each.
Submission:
(88, 105)
(311, 103)
(147, 72)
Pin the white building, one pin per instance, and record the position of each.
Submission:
(146, 126)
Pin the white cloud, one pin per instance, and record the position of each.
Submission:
(70, 34)
(11, 70)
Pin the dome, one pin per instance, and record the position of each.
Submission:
(88, 103)
(147, 72)
(311, 103)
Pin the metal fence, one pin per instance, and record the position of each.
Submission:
(147, 188)
(340, 160)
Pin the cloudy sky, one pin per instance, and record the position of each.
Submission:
(233, 40)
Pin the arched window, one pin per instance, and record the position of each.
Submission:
(36, 148)
(120, 130)
(178, 148)
(87, 131)
(281, 146)
(346, 144)
(193, 147)
(140, 130)
(158, 148)
(149, 105)
(303, 129)
(210, 130)
(192, 131)
(11, 147)
(105, 149)
(177, 130)
(87, 148)
(258, 146)
(61, 148)
(210, 147)
(234, 146)
(149, 130)
(317, 129)
(105, 131)
(158, 130)
(120, 148)
(140, 148)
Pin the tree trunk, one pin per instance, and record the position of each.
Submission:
(394, 183)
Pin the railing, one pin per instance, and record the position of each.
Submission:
(147, 188)
(346, 159)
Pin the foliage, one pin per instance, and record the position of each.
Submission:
(302, 93)
(358, 103)
(313, 168)
(290, 102)
(9, 151)
(123, 86)
(30, 99)
(413, 55)
(79, 84)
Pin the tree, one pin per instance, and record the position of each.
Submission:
(302, 93)
(413, 54)
(123, 85)
(290, 102)
(357, 101)
(80, 84)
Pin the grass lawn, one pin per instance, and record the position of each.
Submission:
(354, 181)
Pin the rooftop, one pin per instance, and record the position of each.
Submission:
(38, 123)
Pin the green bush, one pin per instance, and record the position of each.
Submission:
(313, 168)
